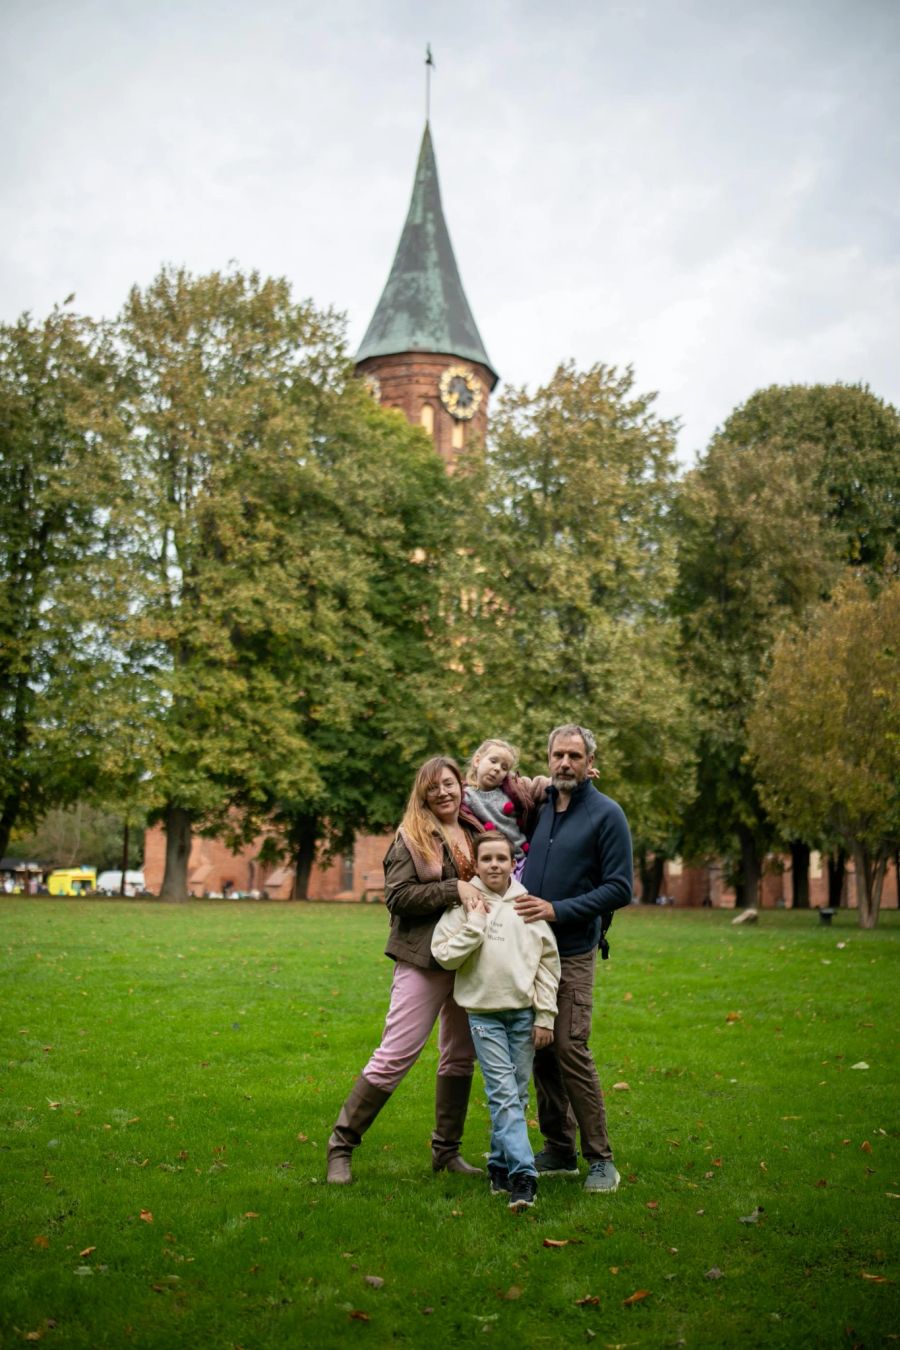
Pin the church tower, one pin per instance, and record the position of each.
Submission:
(422, 352)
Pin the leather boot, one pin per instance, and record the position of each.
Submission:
(357, 1114)
(451, 1101)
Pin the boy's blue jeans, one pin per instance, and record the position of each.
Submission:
(505, 1052)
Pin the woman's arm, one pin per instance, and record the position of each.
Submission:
(405, 894)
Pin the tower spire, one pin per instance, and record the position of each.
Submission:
(423, 307)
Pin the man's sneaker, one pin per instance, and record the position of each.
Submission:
(552, 1164)
(602, 1178)
(499, 1180)
(524, 1190)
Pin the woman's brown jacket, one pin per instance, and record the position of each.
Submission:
(415, 905)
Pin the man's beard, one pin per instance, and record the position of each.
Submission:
(564, 782)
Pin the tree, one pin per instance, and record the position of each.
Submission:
(799, 483)
(825, 732)
(278, 608)
(568, 561)
(56, 476)
(81, 834)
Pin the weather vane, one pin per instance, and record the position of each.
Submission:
(429, 67)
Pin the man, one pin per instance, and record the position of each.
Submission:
(580, 860)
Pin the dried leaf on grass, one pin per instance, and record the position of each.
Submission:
(87, 1251)
(754, 1217)
(636, 1297)
(714, 1273)
(621, 1087)
(557, 1242)
(41, 1241)
(374, 1280)
(357, 1315)
(589, 1301)
(876, 1279)
(513, 1292)
(146, 1216)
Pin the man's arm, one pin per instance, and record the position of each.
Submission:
(617, 886)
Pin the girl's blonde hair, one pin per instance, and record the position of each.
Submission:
(471, 776)
(419, 821)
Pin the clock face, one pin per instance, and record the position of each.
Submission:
(461, 392)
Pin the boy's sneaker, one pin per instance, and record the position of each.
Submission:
(499, 1180)
(524, 1190)
(602, 1178)
(552, 1164)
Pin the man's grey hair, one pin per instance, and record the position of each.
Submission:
(570, 729)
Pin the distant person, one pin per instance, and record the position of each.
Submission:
(507, 973)
(428, 866)
(578, 873)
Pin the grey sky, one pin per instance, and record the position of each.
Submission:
(707, 189)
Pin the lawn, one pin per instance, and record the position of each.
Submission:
(171, 1074)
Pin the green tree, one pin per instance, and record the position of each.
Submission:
(568, 563)
(56, 477)
(78, 835)
(824, 734)
(276, 599)
(799, 483)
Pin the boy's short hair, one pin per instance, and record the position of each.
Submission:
(491, 837)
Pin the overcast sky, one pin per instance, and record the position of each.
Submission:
(707, 189)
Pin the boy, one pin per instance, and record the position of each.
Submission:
(507, 973)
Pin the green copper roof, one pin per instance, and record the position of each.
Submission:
(423, 307)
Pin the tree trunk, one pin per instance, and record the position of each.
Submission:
(177, 824)
(837, 863)
(799, 874)
(8, 818)
(751, 869)
(869, 883)
(651, 867)
(124, 856)
(303, 837)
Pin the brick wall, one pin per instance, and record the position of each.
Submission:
(411, 380)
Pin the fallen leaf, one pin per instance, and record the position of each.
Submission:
(653, 1204)
(892, 1195)
(251, 1214)
(556, 1242)
(876, 1279)
(762, 1167)
(621, 1087)
(303, 1139)
(87, 1251)
(701, 1211)
(708, 1176)
(628, 998)
(54, 1106)
(673, 1251)
(614, 1270)
(752, 1218)
(733, 1017)
(589, 1300)
(861, 1065)
(865, 1147)
(713, 1274)
(33, 1335)
(374, 1280)
(41, 1242)
(635, 1297)
(821, 1184)
(146, 1216)
(717, 1162)
(513, 1292)
(358, 1316)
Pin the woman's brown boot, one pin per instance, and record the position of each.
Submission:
(357, 1114)
(451, 1101)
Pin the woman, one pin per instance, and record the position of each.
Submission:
(427, 868)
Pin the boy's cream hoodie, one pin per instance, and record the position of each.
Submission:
(501, 962)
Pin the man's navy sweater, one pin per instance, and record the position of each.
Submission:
(580, 860)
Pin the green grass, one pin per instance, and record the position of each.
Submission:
(188, 1062)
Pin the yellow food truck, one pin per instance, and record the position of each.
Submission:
(72, 881)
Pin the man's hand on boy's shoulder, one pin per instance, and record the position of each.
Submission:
(532, 907)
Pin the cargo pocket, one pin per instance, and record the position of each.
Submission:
(582, 1009)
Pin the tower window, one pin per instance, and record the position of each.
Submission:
(459, 436)
(426, 417)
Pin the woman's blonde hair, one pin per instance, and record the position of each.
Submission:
(471, 776)
(419, 822)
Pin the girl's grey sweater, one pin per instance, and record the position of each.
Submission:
(487, 804)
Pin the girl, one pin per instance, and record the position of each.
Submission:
(500, 798)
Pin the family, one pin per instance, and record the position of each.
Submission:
(500, 889)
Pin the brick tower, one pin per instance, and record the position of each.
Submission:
(422, 352)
